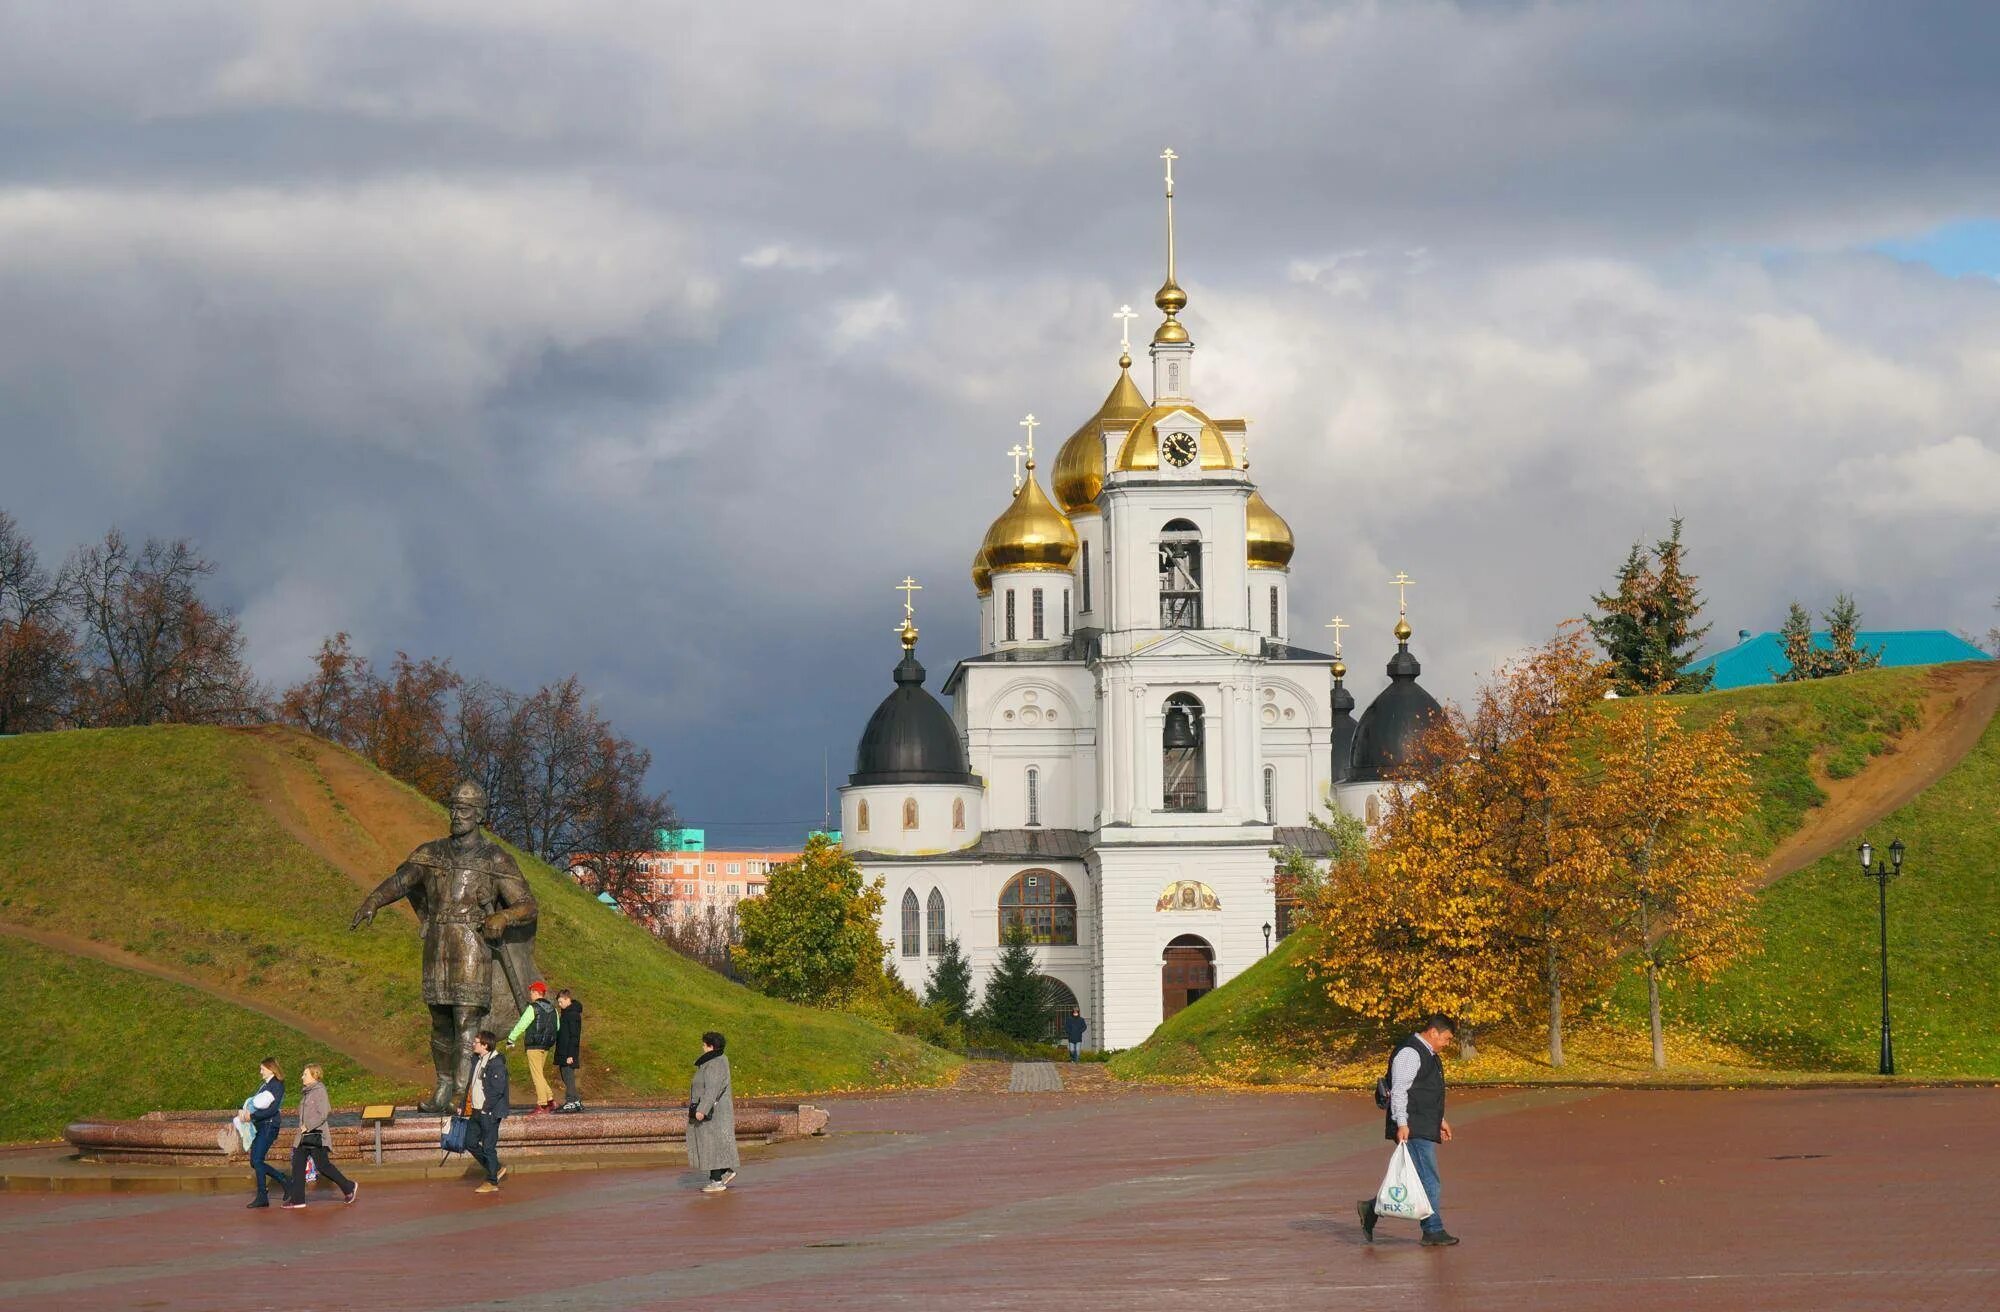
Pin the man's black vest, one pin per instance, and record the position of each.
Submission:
(1426, 1094)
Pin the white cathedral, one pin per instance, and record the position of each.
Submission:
(1138, 730)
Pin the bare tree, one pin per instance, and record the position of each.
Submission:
(37, 650)
(337, 701)
(153, 651)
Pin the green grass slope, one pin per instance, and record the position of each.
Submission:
(1807, 1004)
(236, 858)
(82, 1029)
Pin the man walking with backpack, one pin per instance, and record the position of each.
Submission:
(1412, 1095)
(538, 1022)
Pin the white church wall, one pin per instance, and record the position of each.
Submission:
(1263, 584)
(1041, 716)
(937, 814)
(1135, 515)
(1020, 587)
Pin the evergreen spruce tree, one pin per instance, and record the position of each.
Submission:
(949, 986)
(1802, 659)
(1843, 622)
(1647, 628)
(1016, 1002)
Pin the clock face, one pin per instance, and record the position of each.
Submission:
(1181, 449)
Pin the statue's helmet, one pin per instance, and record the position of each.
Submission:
(471, 794)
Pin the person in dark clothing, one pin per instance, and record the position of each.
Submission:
(263, 1111)
(1073, 1027)
(488, 1100)
(569, 1046)
(315, 1109)
(1415, 1116)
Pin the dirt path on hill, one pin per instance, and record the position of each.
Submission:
(1960, 703)
(349, 815)
(378, 1060)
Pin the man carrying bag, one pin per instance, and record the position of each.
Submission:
(1412, 1095)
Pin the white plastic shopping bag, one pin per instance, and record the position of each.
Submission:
(1402, 1193)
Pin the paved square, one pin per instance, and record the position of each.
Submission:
(1124, 1198)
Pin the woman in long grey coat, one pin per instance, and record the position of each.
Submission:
(712, 1117)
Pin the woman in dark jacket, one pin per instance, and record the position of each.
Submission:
(264, 1109)
(712, 1117)
(569, 1046)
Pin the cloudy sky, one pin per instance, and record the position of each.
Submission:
(656, 342)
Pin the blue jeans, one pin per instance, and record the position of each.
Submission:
(260, 1170)
(1075, 1047)
(1424, 1156)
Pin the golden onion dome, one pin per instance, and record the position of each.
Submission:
(1141, 451)
(1031, 533)
(1079, 473)
(982, 573)
(1271, 544)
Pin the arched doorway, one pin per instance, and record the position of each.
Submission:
(1187, 971)
(1057, 999)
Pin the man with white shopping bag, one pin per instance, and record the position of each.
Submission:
(1412, 1095)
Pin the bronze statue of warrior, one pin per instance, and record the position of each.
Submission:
(478, 919)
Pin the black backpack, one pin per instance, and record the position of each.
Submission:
(542, 1031)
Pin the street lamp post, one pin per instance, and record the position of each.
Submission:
(1882, 872)
(1267, 938)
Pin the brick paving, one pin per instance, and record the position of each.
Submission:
(1112, 1197)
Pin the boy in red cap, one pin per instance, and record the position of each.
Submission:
(538, 1022)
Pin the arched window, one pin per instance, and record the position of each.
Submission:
(935, 936)
(1040, 901)
(861, 816)
(958, 813)
(1270, 794)
(913, 929)
(909, 813)
(1010, 615)
(1035, 614)
(1065, 597)
(1180, 575)
(1086, 577)
(1034, 796)
(1183, 773)
(1274, 611)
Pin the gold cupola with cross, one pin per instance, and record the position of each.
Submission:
(1030, 534)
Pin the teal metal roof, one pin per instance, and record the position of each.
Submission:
(1761, 659)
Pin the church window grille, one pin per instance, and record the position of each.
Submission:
(1010, 614)
(1042, 903)
(913, 930)
(1086, 579)
(909, 813)
(1034, 796)
(861, 817)
(958, 813)
(1065, 597)
(1183, 739)
(1180, 576)
(1035, 613)
(1274, 612)
(934, 935)
(1270, 795)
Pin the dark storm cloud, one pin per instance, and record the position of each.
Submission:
(656, 341)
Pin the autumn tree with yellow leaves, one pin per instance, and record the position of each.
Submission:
(1671, 802)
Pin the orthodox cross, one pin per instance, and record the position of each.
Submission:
(1128, 314)
(1337, 625)
(1169, 156)
(909, 587)
(1017, 451)
(1031, 424)
(1403, 582)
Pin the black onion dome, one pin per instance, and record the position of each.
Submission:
(1343, 733)
(1392, 727)
(911, 738)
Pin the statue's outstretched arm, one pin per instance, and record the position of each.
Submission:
(393, 889)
